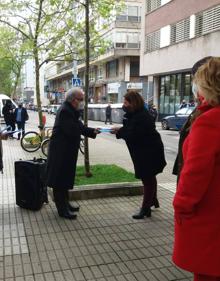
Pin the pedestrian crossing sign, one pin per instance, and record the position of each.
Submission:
(76, 82)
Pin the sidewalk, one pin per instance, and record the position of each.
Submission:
(103, 244)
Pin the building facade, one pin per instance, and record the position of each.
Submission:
(114, 72)
(174, 35)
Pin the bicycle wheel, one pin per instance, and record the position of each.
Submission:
(31, 141)
(45, 146)
(81, 146)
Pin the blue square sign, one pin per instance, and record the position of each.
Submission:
(76, 82)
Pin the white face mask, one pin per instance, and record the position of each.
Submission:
(81, 105)
(195, 90)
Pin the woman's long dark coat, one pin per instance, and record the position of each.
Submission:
(144, 144)
(64, 146)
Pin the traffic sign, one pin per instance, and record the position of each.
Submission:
(76, 82)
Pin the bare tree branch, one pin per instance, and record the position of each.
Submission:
(16, 28)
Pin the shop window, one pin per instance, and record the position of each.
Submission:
(173, 89)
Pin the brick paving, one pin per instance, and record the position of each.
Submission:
(103, 244)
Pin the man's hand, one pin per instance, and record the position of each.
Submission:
(97, 131)
(114, 130)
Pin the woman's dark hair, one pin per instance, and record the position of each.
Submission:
(135, 99)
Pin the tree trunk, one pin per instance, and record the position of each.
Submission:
(86, 155)
(37, 83)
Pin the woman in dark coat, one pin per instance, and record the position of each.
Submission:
(145, 147)
(63, 150)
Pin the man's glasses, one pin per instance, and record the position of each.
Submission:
(79, 99)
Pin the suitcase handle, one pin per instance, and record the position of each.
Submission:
(39, 160)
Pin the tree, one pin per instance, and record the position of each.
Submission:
(44, 26)
(11, 61)
(91, 43)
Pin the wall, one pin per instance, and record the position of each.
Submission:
(175, 11)
(180, 56)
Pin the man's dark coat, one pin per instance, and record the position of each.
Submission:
(64, 146)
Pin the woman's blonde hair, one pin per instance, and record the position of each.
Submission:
(208, 80)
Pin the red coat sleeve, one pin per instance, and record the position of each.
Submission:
(199, 162)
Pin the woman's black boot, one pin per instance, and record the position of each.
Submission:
(144, 212)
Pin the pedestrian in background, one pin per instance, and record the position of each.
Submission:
(145, 146)
(183, 104)
(108, 114)
(21, 116)
(153, 112)
(9, 116)
(63, 151)
(196, 202)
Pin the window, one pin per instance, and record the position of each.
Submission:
(152, 5)
(112, 69)
(134, 68)
(152, 41)
(133, 13)
(173, 89)
(100, 72)
(130, 13)
(92, 75)
(208, 21)
(180, 31)
(127, 40)
(133, 40)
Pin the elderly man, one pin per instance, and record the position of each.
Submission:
(63, 150)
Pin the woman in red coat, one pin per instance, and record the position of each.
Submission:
(197, 199)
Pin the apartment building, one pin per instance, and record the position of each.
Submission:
(174, 35)
(114, 72)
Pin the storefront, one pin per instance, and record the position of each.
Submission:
(135, 86)
(173, 89)
(113, 92)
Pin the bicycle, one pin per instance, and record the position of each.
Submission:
(45, 146)
(32, 140)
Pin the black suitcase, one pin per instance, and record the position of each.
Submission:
(30, 188)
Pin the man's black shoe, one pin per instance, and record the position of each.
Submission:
(67, 215)
(73, 208)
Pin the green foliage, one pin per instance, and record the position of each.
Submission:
(6, 81)
(11, 60)
(103, 174)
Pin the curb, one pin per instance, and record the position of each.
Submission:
(95, 191)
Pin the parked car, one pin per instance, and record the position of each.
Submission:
(44, 108)
(52, 109)
(177, 120)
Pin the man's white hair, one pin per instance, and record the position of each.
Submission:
(72, 94)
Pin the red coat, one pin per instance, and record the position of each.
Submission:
(197, 200)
